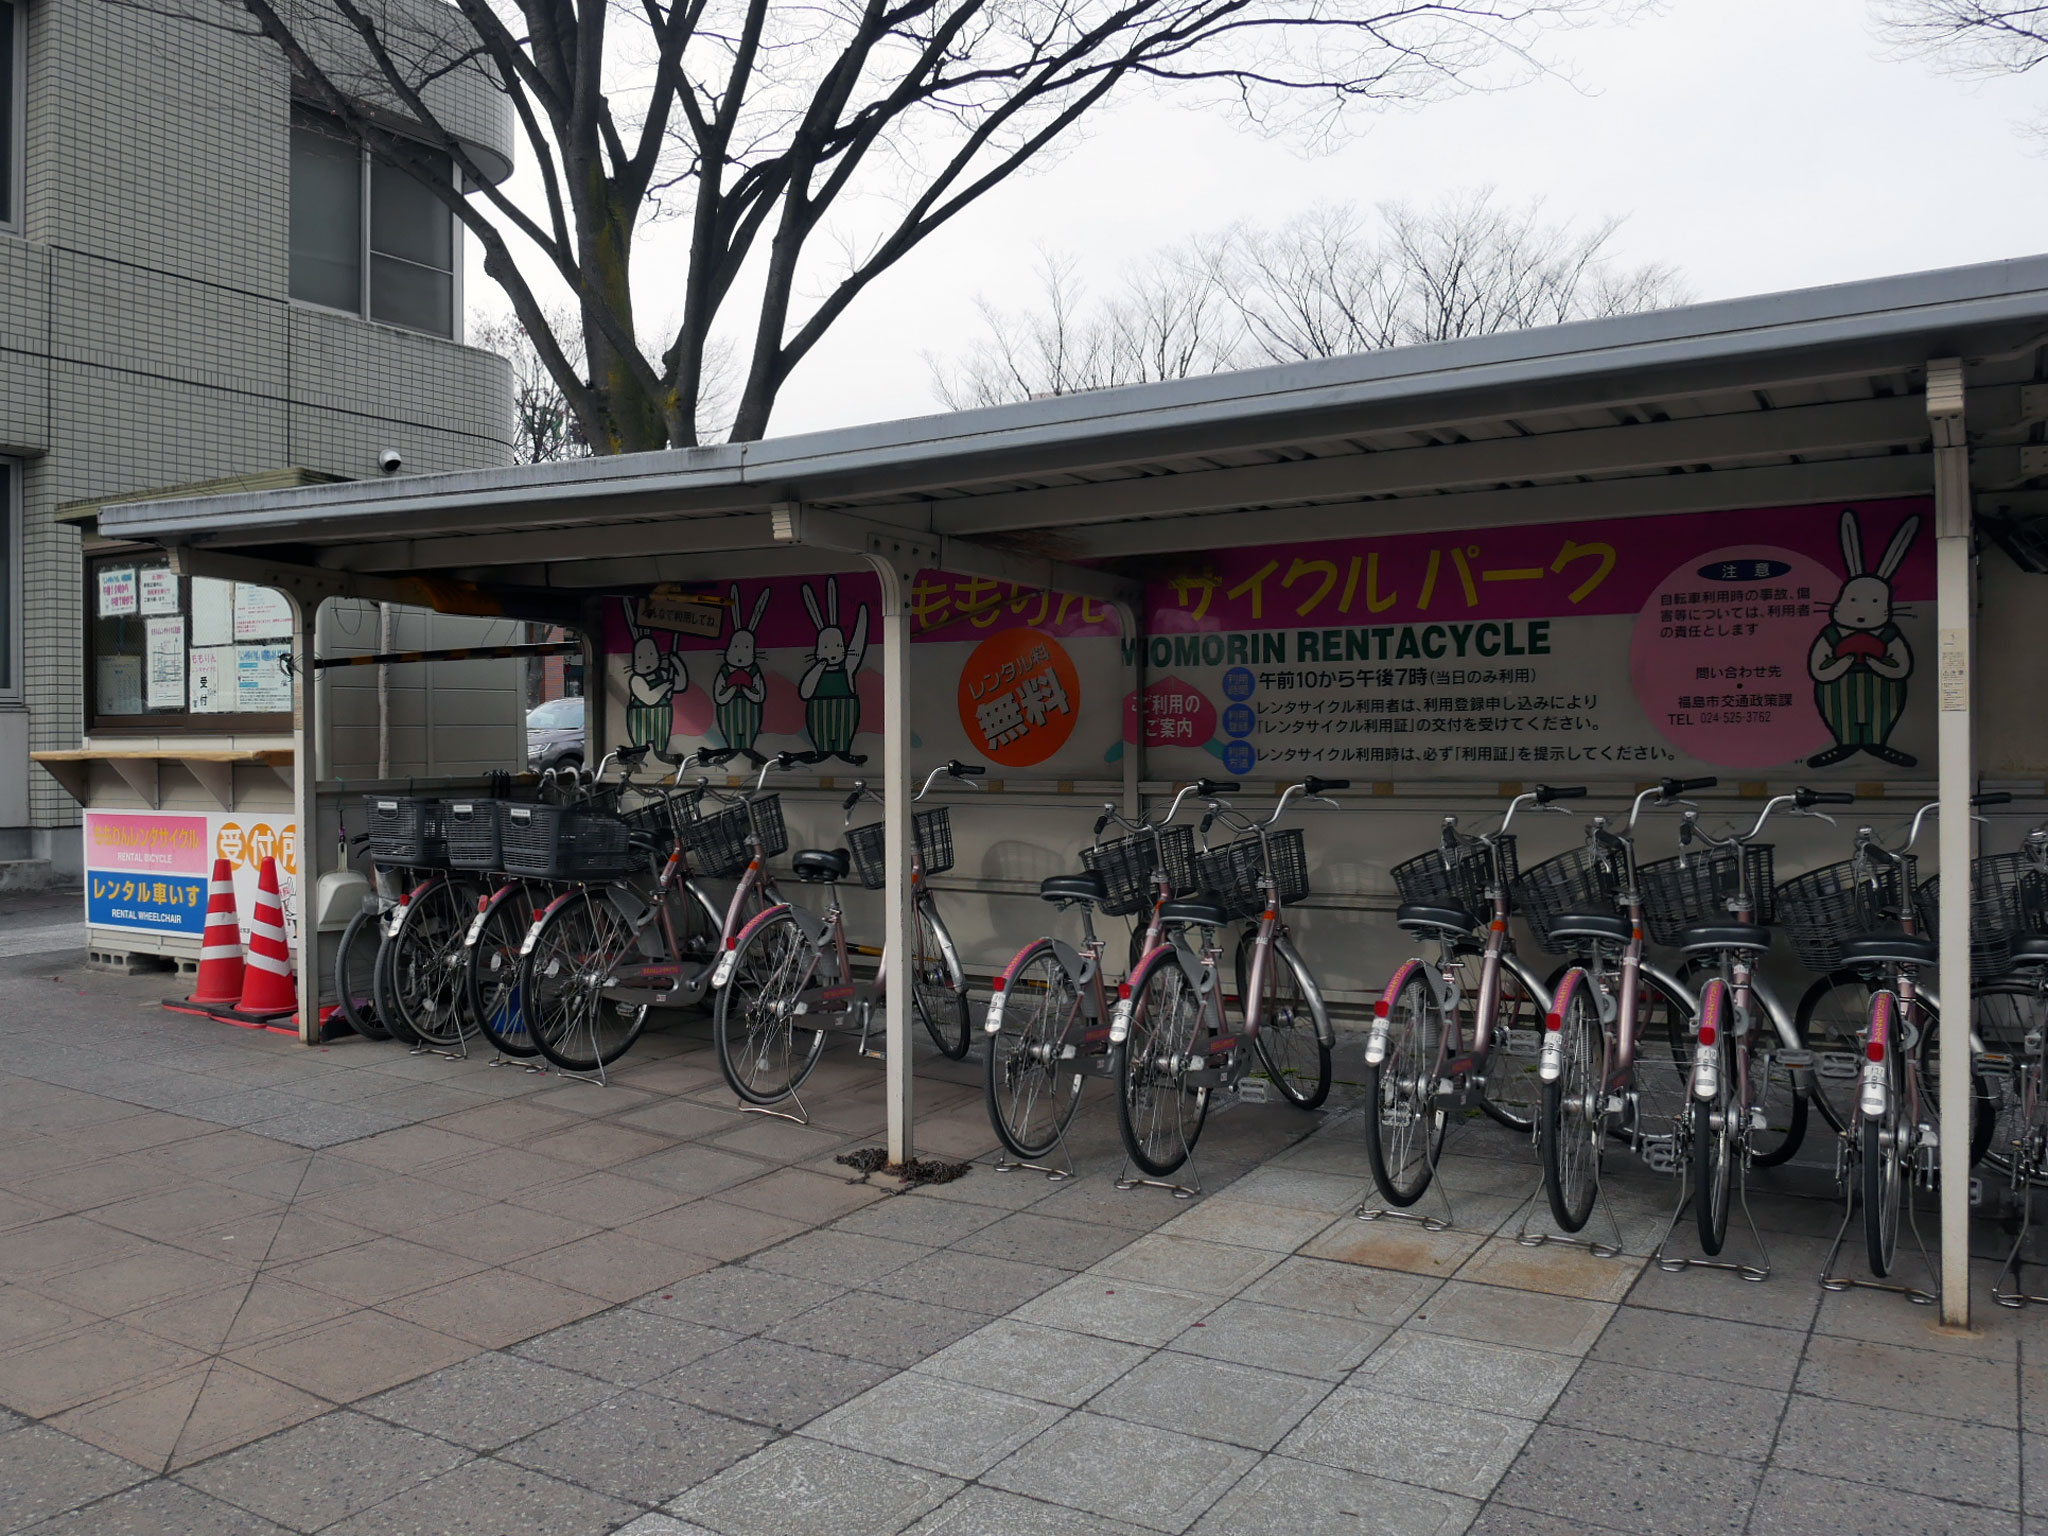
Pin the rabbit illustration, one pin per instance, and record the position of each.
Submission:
(831, 706)
(653, 679)
(1860, 662)
(740, 690)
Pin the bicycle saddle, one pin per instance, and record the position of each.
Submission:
(1591, 925)
(1726, 936)
(1415, 914)
(1085, 887)
(1204, 908)
(820, 864)
(2030, 950)
(1892, 949)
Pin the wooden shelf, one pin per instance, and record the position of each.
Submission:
(141, 768)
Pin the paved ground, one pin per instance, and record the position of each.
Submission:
(246, 1287)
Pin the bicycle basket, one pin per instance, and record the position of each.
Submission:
(1425, 881)
(565, 842)
(2004, 892)
(1234, 872)
(764, 815)
(471, 832)
(405, 829)
(653, 819)
(1823, 907)
(718, 843)
(1697, 888)
(1127, 865)
(934, 830)
(864, 847)
(1576, 881)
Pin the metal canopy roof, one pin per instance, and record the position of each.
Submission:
(1801, 396)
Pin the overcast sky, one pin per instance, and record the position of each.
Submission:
(1756, 144)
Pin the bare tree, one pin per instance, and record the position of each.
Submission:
(1976, 39)
(781, 133)
(1328, 283)
(543, 428)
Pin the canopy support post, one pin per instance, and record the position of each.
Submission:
(306, 810)
(1130, 614)
(898, 920)
(1956, 783)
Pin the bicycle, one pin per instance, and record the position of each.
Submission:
(1169, 1032)
(790, 964)
(1048, 1012)
(419, 926)
(1608, 1003)
(1418, 1066)
(1715, 906)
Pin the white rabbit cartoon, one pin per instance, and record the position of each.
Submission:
(740, 691)
(1860, 662)
(653, 679)
(831, 704)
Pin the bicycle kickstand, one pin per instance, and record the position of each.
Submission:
(1007, 1164)
(1129, 1180)
(1688, 1191)
(2019, 1296)
(1598, 1249)
(1385, 1212)
(1830, 1281)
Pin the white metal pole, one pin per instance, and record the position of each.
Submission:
(1131, 619)
(1953, 621)
(306, 809)
(896, 806)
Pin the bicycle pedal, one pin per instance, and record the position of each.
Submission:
(1253, 1090)
(1758, 1120)
(1659, 1153)
(1838, 1066)
(1793, 1059)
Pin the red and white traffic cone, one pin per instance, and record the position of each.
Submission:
(267, 990)
(219, 984)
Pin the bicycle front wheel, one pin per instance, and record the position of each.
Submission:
(564, 981)
(1033, 1086)
(1162, 1068)
(1574, 1112)
(764, 1056)
(938, 985)
(492, 975)
(1884, 1143)
(1513, 1094)
(1715, 1122)
(426, 979)
(1289, 1045)
(1404, 1131)
(355, 974)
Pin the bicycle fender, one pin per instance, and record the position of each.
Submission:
(1376, 1038)
(1875, 1097)
(1127, 994)
(546, 912)
(1550, 1061)
(1326, 1032)
(723, 972)
(1077, 964)
(1706, 1051)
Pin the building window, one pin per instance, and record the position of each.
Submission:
(12, 31)
(183, 652)
(10, 579)
(367, 237)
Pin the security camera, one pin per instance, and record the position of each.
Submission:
(390, 462)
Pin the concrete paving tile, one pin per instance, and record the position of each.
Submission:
(769, 1383)
(243, 1106)
(1028, 1238)
(189, 1416)
(599, 1100)
(45, 1376)
(1498, 1519)
(1131, 1472)
(507, 1124)
(804, 1487)
(26, 1314)
(156, 1508)
(508, 1173)
(1394, 1245)
(838, 1258)
(1908, 1452)
(780, 1141)
(414, 1148)
(244, 1312)
(1281, 1339)
(1216, 1399)
(82, 1187)
(159, 1273)
(49, 1472)
(796, 1194)
(394, 1205)
(493, 1308)
(714, 1229)
(1770, 1305)
(1886, 1376)
(1098, 1200)
(16, 1212)
(1995, 1332)
(739, 1298)
(938, 1424)
(488, 1400)
(610, 1265)
(694, 1170)
(1468, 1372)
(1302, 1189)
(981, 1511)
(973, 1281)
(1225, 1219)
(1716, 1349)
(638, 1446)
(1564, 1325)
(626, 1346)
(1630, 1486)
(324, 1469)
(1342, 1290)
(1126, 1310)
(354, 1356)
(497, 1234)
(1690, 1412)
(598, 1199)
(1284, 1497)
(684, 1119)
(917, 1218)
(378, 1270)
(1188, 1264)
(1795, 1503)
(1023, 1359)
(1551, 1268)
(2034, 1473)
(65, 1243)
(662, 1525)
(485, 1498)
(282, 1239)
(1436, 1445)
(887, 1330)
(598, 1144)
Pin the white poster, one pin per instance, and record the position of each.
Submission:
(260, 613)
(159, 590)
(212, 679)
(120, 685)
(262, 686)
(213, 611)
(117, 592)
(164, 662)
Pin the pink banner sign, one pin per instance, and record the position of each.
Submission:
(147, 842)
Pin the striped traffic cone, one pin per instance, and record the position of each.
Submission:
(219, 984)
(267, 990)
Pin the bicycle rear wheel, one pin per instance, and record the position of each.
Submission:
(1160, 1104)
(1404, 1131)
(492, 975)
(764, 1056)
(2008, 1014)
(1033, 1087)
(355, 974)
(938, 986)
(1715, 1124)
(1290, 1046)
(1778, 1095)
(563, 980)
(1513, 1094)
(1574, 1112)
(1885, 1150)
(427, 966)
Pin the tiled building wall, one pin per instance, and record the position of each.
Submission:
(146, 334)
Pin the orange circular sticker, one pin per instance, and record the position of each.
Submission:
(262, 844)
(229, 845)
(288, 848)
(1019, 697)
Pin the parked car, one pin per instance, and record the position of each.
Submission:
(554, 735)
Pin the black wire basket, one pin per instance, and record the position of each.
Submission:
(720, 844)
(1235, 872)
(1824, 907)
(2005, 896)
(470, 830)
(1698, 888)
(405, 829)
(1578, 881)
(565, 842)
(1128, 864)
(865, 846)
(764, 815)
(1426, 881)
(655, 820)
